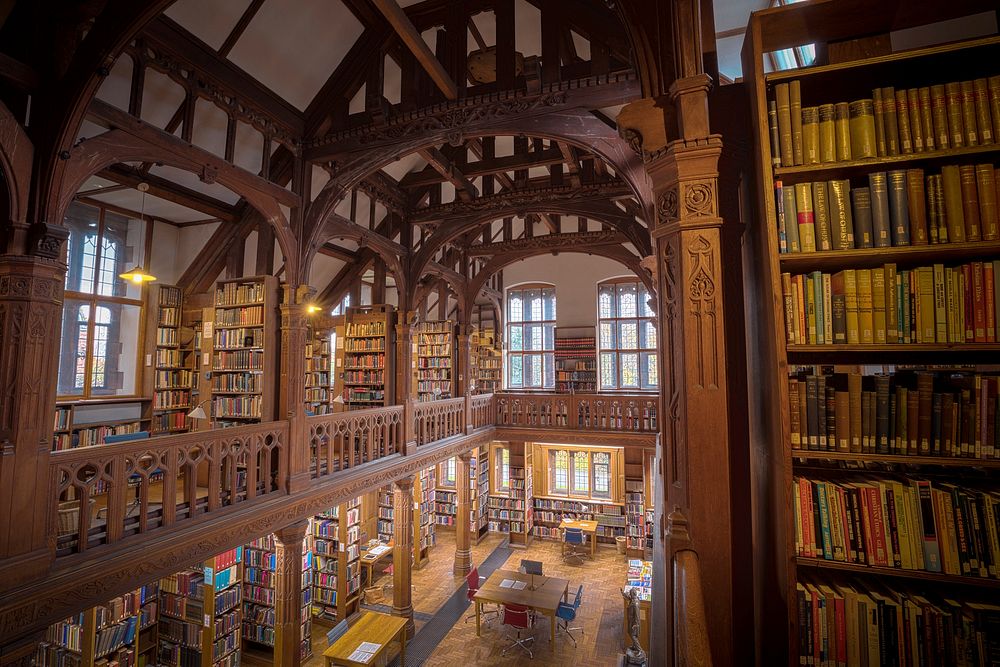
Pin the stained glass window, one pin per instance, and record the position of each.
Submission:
(627, 336)
(580, 473)
(601, 466)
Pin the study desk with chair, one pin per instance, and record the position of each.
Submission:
(369, 641)
(511, 588)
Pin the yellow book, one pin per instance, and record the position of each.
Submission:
(865, 315)
(842, 130)
(954, 212)
(940, 305)
(851, 306)
(827, 134)
(925, 293)
(795, 105)
(879, 317)
(862, 123)
(784, 124)
(810, 135)
(810, 310)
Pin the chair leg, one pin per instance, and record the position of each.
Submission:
(522, 643)
(564, 627)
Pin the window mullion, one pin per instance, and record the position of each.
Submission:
(88, 363)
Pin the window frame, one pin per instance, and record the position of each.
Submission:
(94, 300)
(615, 322)
(497, 464)
(448, 468)
(546, 355)
(551, 454)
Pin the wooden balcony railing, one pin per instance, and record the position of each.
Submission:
(347, 439)
(594, 412)
(483, 411)
(437, 420)
(103, 494)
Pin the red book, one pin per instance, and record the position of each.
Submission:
(878, 527)
(806, 503)
(979, 308)
(838, 608)
(970, 330)
(991, 314)
(866, 525)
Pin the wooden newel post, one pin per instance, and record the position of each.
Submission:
(31, 296)
(288, 553)
(463, 537)
(402, 551)
(292, 390)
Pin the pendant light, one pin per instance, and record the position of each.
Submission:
(136, 273)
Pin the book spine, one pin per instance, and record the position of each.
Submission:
(891, 304)
(940, 305)
(865, 315)
(986, 187)
(786, 290)
(827, 309)
(936, 200)
(795, 106)
(926, 117)
(989, 282)
(903, 122)
(916, 206)
(970, 202)
(861, 206)
(956, 126)
(878, 306)
(840, 214)
(855, 405)
(951, 182)
(795, 425)
(969, 113)
(821, 215)
(783, 104)
(827, 133)
(899, 210)
(983, 123)
(791, 218)
(916, 120)
(978, 296)
(891, 121)
(842, 131)
(940, 114)
(779, 214)
(880, 209)
(772, 124)
(862, 124)
(851, 312)
(810, 135)
(993, 84)
(878, 109)
(804, 215)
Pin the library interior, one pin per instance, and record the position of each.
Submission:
(499, 332)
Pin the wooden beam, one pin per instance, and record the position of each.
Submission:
(17, 73)
(241, 25)
(335, 251)
(450, 172)
(570, 159)
(430, 175)
(401, 23)
(101, 191)
(170, 191)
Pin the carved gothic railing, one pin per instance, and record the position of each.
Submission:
(482, 409)
(103, 494)
(594, 412)
(347, 439)
(437, 420)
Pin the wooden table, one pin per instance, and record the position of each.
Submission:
(371, 627)
(369, 562)
(588, 527)
(548, 593)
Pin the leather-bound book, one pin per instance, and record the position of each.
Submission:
(849, 279)
(842, 130)
(939, 113)
(805, 216)
(925, 396)
(880, 209)
(784, 123)
(789, 302)
(970, 202)
(838, 303)
(795, 105)
(951, 182)
(916, 124)
(935, 201)
(854, 399)
(926, 117)
(917, 206)
(969, 113)
(903, 122)
(841, 222)
(878, 305)
(810, 135)
(827, 134)
(891, 305)
(865, 314)
(861, 207)
(821, 215)
(772, 124)
(989, 217)
(993, 84)
(983, 123)
(791, 219)
(878, 109)
(795, 426)
(899, 209)
(956, 126)
(891, 121)
(862, 129)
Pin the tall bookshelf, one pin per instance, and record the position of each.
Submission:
(521, 520)
(576, 360)
(386, 513)
(78, 424)
(368, 358)
(120, 632)
(424, 536)
(244, 355)
(318, 368)
(549, 513)
(479, 482)
(820, 458)
(259, 595)
(335, 535)
(170, 348)
(435, 352)
(201, 614)
(487, 362)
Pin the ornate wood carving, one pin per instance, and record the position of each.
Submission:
(463, 553)
(402, 536)
(16, 154)
(288, 552)
(549, 242)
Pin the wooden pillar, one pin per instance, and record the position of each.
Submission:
(402, 550)
(463, 552)
(378, 285)
(694, 400)
(292, 389)
(463, 386)
(404, 378)
(288, 552)
(31, 296)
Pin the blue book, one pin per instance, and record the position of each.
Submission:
(824, 520)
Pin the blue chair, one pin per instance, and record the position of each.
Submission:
(566, 614)
(336, 632)
(576, 541)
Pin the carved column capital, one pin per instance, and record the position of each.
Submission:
(685, 179)
(404, 484)
(291, 534)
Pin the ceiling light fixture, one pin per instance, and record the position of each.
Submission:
(136, 274)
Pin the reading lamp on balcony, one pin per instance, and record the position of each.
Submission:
(199, 412)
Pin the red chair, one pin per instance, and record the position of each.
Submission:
(474, 581)
(520, 619)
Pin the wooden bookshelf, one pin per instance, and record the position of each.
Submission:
(521, 480)
(319, 374)
(424, 536)
(170, 347)
(86, 424)
(576, 360)
(385, 514)
(259, 595)
(487, 362)
(434, 344)
(479, 481)
(777, 543)
(335, 536)
(365, 378)
(244, 355)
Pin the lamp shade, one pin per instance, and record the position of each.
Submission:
(339, 399)
(198, 413)
(137, 276)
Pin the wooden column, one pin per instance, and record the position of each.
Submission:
(694, 401)
(463, 552)
(404, 378)
(31, 296)
(21, 653)
(288, 552)
(292, 389)
(402, 550)
(463, 386)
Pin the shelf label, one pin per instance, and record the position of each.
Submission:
(206, 329)
(149, 360)
(208, 620)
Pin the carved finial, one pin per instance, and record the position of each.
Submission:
(677, 525)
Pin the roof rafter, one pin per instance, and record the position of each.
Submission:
(401, 23)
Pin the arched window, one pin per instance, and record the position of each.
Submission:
(626, 336)
(531, 324)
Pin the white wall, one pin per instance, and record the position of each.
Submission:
(575, 276)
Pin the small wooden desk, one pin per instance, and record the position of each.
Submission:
(548, 593)
(371, 627)
(369, 562)
(588, 528)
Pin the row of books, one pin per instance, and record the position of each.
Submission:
(906, 413)
(870, 624)
(891, 122)
(171, 399)
(169, 298)
(365, 362)
(169, 359)
(359, 329)
(902, 207)
(365, 345)
(433, 362)
(907, 523)
(365, 377)
(95, 435)
(229, 339)
(434, 350)
(239, 316)
(237, 406)
(433, 338)
(173, 379)
(928, 304)
(169, 317)
(169, 421)
(244, 382)
(361, 396)
(434, 374)
(239, 293)
(166, 336)
(238, 360)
